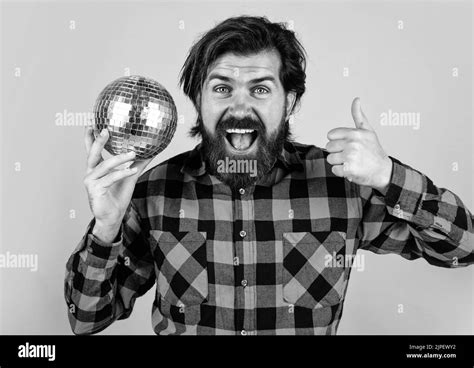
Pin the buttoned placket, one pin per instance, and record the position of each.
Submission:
(249, 260)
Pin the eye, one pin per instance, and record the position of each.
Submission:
(222, 89)
(261, 90)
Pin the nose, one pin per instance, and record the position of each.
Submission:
(240, 106)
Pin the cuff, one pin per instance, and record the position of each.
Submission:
(100, 253)
(405, 192)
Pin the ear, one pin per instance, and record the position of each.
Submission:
(290, 103)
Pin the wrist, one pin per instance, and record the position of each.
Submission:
(106, 233)
(385, 176)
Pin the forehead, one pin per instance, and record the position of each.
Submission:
(264, 62)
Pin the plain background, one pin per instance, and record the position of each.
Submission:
(402, 70)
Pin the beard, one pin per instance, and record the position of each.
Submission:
(263, 157)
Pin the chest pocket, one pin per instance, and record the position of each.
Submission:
(181, 266)
(310, 279)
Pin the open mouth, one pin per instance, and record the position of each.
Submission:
(241, 139)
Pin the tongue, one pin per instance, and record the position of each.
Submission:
(241, 141)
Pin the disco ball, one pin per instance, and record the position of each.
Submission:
(139, 114)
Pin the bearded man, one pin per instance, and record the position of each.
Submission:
(242, 251)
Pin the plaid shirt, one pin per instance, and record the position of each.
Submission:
(253, 261)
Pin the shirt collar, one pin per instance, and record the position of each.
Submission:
(289, 159)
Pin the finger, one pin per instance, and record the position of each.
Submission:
(336, 145)
(115, 176)
(357, 113)
(110, 164)
(141, 165)
(360, 120)
(335, 158)
(96, 149)
(88, 138)
(338, 170)
(340, 133)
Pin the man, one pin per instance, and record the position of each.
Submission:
(235, 252)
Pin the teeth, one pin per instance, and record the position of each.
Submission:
(240, 131)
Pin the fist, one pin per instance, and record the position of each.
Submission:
(356, 153)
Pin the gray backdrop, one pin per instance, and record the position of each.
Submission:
(399, 57)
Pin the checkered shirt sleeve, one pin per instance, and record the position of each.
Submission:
(417, 219)
(103, 280)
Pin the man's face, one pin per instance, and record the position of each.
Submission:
(244, 112)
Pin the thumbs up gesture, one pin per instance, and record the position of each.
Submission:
(356, 154)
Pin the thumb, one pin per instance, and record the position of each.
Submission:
(360, 120)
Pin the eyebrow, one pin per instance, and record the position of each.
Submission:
(253, 81)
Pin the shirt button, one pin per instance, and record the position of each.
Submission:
(242, 234)
(242, 191)
(243, 283)
(397, 211)
(243, 333)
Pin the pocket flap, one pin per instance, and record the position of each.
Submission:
(179, 236)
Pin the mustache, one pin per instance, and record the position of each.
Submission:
(247, 122)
